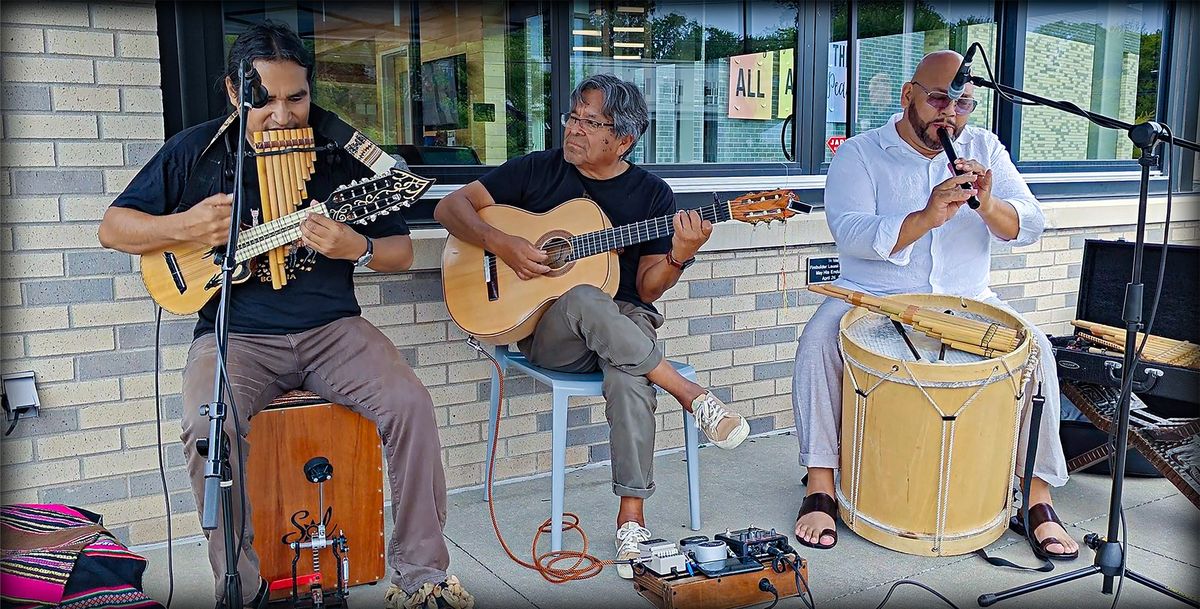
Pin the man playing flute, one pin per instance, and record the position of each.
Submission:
(896, 212)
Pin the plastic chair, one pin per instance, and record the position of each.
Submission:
(563, 385)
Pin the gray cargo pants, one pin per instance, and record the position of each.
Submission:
(586, 330)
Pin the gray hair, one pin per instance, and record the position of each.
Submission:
(623, 101)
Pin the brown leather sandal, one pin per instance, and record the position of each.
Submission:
(1038, 515)
(821, 502)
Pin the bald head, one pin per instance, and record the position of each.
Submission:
(927, 107)
(937, 69)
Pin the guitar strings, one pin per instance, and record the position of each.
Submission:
(271, 234)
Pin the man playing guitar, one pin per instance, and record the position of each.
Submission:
(309, 334)
(586, 329)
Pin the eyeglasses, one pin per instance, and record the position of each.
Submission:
(940, 101)
(588, 124)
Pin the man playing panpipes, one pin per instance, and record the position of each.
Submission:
(306, 335)
(894, 237)
(586, 330)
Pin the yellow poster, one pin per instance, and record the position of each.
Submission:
(787, 81)
(752, 86)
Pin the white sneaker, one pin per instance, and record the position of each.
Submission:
(726, 429)
(629, 535)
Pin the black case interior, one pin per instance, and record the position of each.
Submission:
(1104, 273)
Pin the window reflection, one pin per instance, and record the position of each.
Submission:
(436, 82)
(893, 36)
(717, 75)
(1103, 58)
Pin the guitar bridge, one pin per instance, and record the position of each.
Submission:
(489, 276)
(176, 275)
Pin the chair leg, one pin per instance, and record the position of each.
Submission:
(692, 453)
(493, 414)
(558, 466)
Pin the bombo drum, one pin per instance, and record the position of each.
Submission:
(928, 447)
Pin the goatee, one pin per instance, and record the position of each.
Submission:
(921, 128)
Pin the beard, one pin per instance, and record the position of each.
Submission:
(929, 136)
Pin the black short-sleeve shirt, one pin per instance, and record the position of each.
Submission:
(310, 300)
(540, 181)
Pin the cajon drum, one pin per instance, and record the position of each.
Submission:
(294, 428)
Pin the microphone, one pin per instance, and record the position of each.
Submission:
(963, 76)
(948, 146)
(257, 94)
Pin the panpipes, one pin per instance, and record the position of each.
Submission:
(285, 159)
(970, 335)
(1158, 349)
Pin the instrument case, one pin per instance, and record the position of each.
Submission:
(1104, 273)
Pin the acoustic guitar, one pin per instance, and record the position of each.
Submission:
(182, 278)
(487, 299)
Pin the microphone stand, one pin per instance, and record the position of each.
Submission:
(1110, 555)
(218, 475)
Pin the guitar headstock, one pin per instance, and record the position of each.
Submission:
(362, 201)
(767, 206)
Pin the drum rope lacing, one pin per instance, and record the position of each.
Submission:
(945, 458)
(946, 448)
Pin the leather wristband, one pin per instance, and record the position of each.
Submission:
(677, 264)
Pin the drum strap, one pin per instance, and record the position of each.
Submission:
(1026, 481)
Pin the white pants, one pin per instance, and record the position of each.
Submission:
(817, 397)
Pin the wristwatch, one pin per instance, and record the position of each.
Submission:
(365, 259)
(677, 264)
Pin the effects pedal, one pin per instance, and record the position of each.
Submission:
(754, 542)
(662, 557)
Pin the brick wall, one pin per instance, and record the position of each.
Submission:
(80, 118)
(82, 111)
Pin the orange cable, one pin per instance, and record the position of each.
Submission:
(585, 565)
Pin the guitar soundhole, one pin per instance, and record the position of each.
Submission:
(559, 251)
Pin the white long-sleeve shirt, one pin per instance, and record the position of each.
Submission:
(876, 179)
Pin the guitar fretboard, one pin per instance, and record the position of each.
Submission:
(606, 240)
(276, 233)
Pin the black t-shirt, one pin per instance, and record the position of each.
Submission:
(310, 300)
(540, 181)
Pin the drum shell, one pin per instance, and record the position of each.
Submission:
(893, 453)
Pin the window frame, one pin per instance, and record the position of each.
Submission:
(190, 97)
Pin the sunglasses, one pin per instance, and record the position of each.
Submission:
(940, 101)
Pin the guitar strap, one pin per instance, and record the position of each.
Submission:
(210, 165)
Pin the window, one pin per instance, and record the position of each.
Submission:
(458, 86)
(1104, 58)
(717, 75)
(439, 83)
(892, 37)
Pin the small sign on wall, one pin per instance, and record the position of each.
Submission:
(823, 269)
(752, 86)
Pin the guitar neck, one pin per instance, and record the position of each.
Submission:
(609, 239)
(276, 233)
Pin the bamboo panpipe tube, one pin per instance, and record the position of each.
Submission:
(276, 175)
(268, 192)
(283, 178)
(974, 331)
(918, 315)
(968, 335)
(1118, 335)
(1158, 349)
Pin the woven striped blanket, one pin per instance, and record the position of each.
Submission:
(60, 556)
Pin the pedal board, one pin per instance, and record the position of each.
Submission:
(723, 592)
(753, 541)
